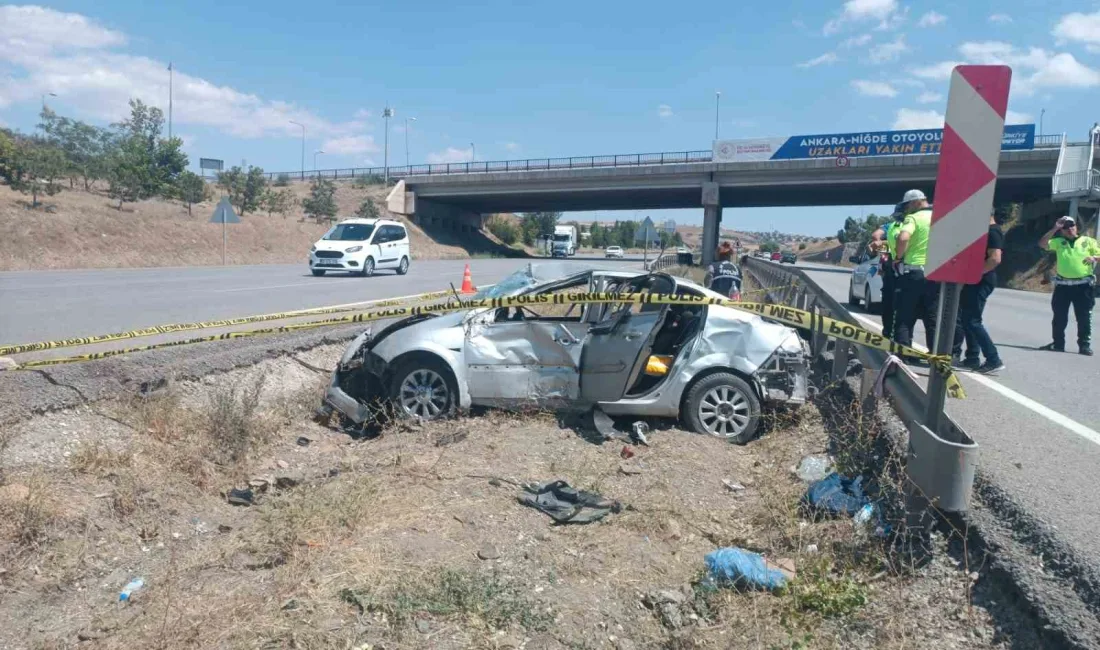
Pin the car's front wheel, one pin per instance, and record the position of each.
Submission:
(424, 389)
(403, 268)
(722, 405)
(368, 267)
(853, 300)
(868, 305)
(318, 272)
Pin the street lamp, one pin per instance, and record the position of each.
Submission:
(44, 95)
(473, 152)
(315, 159)
(303, 146)
(717, 99)
(1041, 114)
(407, 120)
(387, 113)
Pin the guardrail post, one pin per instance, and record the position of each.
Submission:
(840, 359)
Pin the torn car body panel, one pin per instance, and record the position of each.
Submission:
(579, 356)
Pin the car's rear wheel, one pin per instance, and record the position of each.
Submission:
(853, 301)
(424, 389)
(318, 272)
(368, 267)
(722, 405)
(403, 268)
(868, 305)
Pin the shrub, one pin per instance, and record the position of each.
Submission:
(282, 180)
(504, 230)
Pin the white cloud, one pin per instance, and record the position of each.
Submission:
(664, 110)
(1081, 28)
(855, 11)
(511, 146)
(1000, 19)
(874, 88)
(857, 41)
(188, 141)
(886, 52)
(77, 58)
(929, 97)
(931, 19)
(937, 71)
(825, 59)
(911, 118)
(450, 155)
(1033, 68)
(351, 145)
(1012, 117)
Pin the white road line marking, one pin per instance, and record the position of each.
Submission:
(276, 286)
(1023, 400)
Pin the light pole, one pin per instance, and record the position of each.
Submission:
(387, 113)
(315, 159)
(717, 100)
(1041, 114)
(303, 146)
(407, 120)
(44, 95)
(473, 153)
(169, 100)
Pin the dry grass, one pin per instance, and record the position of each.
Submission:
(84, 230)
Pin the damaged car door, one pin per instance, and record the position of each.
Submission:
(617, 346)
(527, 355)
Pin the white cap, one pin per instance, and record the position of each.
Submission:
(1069, 219)
(913, 195)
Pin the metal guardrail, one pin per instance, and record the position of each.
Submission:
(536, 164)
(941, 469)
(1083, 182)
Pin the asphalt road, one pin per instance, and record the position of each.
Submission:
(1037, 421)
(49, 305)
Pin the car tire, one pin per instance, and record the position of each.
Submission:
(722, 405)
(368, 268)
(403, 267)
(417, 375)
(317, 272)
(853, 301)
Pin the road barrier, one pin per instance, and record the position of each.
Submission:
(22, 348)
(941, 467)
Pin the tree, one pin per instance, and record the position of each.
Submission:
(86, 147)
(232, 181)
(367, 210)
(131, 172)
(322, 199)
(504, 229)
(533, 224)
(282, 180)
(769, 246)
(255, 186)
(31, 166)
(280, 201)
(245, 189)
(191, 188)
(143, 164)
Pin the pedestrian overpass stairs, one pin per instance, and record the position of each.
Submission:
(1075, 176)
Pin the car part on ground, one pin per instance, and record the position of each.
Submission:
(711, 366)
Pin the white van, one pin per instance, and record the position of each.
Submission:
(361, 246)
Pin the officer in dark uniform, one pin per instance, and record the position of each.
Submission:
(723, 276)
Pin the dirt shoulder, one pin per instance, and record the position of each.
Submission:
(78, 229)
(416, 539)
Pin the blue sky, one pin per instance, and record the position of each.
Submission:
(549, 79)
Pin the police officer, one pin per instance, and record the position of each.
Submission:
(969, 326)
(723, 276)
(916, 295)
(1077, 258)
(884, 243)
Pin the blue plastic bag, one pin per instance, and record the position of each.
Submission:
(743, 569)
(837, 495)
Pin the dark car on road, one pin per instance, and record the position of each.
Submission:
(788, 257)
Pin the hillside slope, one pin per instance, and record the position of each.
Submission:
(77, 229)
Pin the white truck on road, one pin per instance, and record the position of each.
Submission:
(565, 241)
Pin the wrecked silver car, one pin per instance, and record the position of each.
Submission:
(712, 367)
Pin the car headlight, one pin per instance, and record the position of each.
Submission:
(313, 249)
(353, 249)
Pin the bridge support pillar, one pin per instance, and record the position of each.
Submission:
(712, 220)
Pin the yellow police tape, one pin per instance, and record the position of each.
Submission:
(781, 313)
(229, 322)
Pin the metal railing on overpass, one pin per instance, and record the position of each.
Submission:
(1084, 183)
(941, 466)
(539, 164)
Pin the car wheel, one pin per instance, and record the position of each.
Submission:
(403, 268)
(722, 405)
(424, 389)
(852, 300)
(867, 304)
(368, 267)
(318, 272)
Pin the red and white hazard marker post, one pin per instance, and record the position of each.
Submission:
(965, 181)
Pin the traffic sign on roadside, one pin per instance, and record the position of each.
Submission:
(842, 161)
(224, 213)
(967, 173)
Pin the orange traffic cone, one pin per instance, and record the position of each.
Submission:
(467, 282)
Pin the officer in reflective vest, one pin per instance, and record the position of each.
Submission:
(1073, 285)
(884, 242)
(916, 296)
(723, 276)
